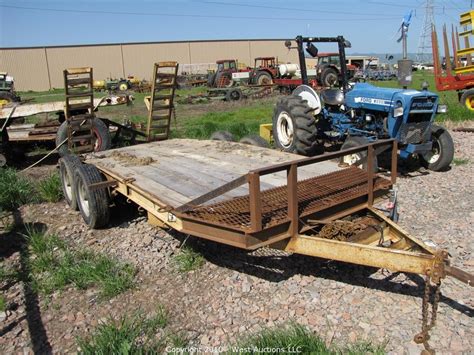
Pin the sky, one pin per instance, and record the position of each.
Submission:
(370, 25)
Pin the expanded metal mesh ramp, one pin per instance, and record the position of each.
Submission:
(314, 195)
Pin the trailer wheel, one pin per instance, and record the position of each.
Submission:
(264, 78)
(93, 204)
(467, 99)
(357, 158)
(123, 86)
(294, 128)
(67, 165)
(103, 140)
(329, 77)
(233, 95)
(255, 140)
(442, 152)
(222, 136)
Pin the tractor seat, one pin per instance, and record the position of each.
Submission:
(332, 97)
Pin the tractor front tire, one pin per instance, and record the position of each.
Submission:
(442, 152)
(329, 77)
(294, 127)
(93, 203)
(103, 140)
(467, 99)
(358, 159)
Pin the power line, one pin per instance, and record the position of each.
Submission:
(193, 15)
(286, 8)
(424, 53)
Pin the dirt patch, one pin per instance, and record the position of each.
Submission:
(132, 160)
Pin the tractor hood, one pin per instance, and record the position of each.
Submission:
(370, 97)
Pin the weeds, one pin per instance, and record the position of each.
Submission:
(3, 303)
(128, 335)
(187, 260)
(460, 161)
(15, 190)
(297, 338)
(50, 189)
(54, 266)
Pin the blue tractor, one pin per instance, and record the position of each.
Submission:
(358, 114)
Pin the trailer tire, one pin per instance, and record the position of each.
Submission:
(329, 77)
(442, 153)
(352, 159)
(264, 78)
(101, 131)
(67, 166)
(294, 127)
(255, 140)
(93, 204)
(233, 95)
(222, 136)
(467, 99)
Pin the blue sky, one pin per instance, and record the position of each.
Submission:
(371, 25)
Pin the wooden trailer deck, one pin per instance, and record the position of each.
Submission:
(179, 170)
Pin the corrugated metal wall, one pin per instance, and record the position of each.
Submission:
(41, 69)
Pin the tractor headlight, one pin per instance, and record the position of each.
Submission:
(398, 110)
(442, 109)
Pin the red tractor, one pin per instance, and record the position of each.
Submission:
(328, 69)
(222, 77)
(264, 71)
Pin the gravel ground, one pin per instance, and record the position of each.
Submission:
(235, 293)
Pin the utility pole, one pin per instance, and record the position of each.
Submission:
(424, 53)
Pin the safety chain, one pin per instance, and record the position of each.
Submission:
(427, 325)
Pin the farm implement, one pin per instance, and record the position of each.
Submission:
(251, 197)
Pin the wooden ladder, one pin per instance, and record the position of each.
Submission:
(161, 102)
(79, 109)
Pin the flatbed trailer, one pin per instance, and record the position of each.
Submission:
(251, 197)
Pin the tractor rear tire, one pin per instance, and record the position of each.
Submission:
(6, 98)
(264, 78)
(294, 127)
(93, 203)
(255, 140)
(467, 99)
(329, 77)
(224, 80)
(211, 80)
(355, 158)
(442, 153)
(67, 166)
(222, 136)
(101, 131)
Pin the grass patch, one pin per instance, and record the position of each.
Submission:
(15, 190)
(50, 189)
(187, 260)
(3, 303)
(460, 161)
(240, 122)
(128, 335)
(296, 337)
(54, 266)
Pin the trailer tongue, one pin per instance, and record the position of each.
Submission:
(225, 192)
